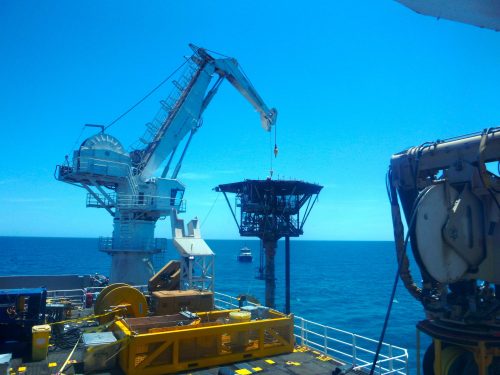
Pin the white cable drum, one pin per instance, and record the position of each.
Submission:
(440, 260)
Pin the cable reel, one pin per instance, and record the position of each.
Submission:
(449, 231)
(120, 294)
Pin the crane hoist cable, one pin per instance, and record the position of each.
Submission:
(275, 142)
(147, 95)
(217, 53)
(77, 140)
(272, 150)
(209, 211)
(270, 158)
(132, 107)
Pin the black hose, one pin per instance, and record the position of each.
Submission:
(66, 339)
(396, 279)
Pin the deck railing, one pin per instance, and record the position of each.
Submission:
(77, 296)
(351, 349)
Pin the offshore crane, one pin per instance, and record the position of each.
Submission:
(450, 195)
(125, 183)
(451, 201)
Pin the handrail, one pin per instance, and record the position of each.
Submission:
(325, 339)
(130, 243)
(130, 177)
(130, 200)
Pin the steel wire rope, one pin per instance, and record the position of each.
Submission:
(270, 155)
(270, 136)
(217, 53)
(422, 194)
(76, 141)
(146, 96)
(209, 211)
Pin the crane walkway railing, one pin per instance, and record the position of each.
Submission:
(98, 166)
(151, 202)
(107, 244)
(135, 200)
(97, 200)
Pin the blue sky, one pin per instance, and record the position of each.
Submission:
(354, 82)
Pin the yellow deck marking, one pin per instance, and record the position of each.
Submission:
(324, 358)
(293, 363)
(257, 369)
(52, 364)
(73, 361)
(21, 369)
(270, 361)
(243, 371)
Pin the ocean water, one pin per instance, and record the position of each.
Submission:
(346, 285)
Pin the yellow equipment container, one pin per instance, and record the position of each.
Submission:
(207, 343)
(40, 342)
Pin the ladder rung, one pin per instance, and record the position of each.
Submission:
(178, 85)
(165, 105)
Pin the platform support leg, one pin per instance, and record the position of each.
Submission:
(287, 275)
(270, 249)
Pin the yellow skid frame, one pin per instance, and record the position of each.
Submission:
(212, 342)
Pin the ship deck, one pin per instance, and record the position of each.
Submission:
(308, 358)
(301, 362)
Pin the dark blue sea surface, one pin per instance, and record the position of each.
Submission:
(346, 285)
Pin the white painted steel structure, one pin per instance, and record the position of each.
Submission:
(124, 182)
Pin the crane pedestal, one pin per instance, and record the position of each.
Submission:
(269, 209)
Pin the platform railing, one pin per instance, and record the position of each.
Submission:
(353, 350)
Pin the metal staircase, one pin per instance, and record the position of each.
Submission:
(167, 106)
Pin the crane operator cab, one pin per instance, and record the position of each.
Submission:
(450, 197)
